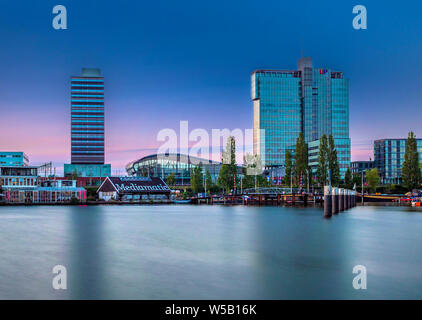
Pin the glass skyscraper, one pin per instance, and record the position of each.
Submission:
(87, 126)
(389, 158)
(87, 112)
(309, 100)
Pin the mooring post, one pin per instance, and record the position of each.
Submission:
(334, 198)
(350, 199)
(327, 202)
(354, 198)
(347, 199)
(340, 200)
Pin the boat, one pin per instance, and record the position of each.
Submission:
(180, 201)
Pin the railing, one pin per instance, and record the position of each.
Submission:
(272, 190)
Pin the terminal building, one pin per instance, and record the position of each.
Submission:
(311, 100)
(87, 126)
(16, 159)
(163, 165)
(389, 158)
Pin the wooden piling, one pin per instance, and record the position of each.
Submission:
(327, 202)
(334, 198)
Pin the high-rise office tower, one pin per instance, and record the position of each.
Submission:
(87, 112)
(87, 125)
(310, 100)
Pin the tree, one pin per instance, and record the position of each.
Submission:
(357, 179)
(301, 159)
(228, 171)
(208, 181)
(288, 168)
(74, 175)
(196, 179)
(411, 173)
(171, 179)
(322, 169)
(348, 180)
(373, 178)
(333, 162)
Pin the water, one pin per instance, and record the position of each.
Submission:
(209, 252)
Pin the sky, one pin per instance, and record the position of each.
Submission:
(168, 61)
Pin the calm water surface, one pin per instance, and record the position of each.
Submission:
(209, 252)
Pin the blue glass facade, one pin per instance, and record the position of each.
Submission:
(389, 158)
(15, 159)
(277, 113)
(87, 118)
(87, 170)
(309, 100)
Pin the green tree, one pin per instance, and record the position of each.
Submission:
(357, 179)
(74, 175)
(288, 168)
(228, 171)
(322, 169)
(411, 173)
(333, 162)
(208, 181)
(301, 159)
(171, 179)
(373, 178)
(196, 179)
(348, 180)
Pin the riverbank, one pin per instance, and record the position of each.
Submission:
(157, 202)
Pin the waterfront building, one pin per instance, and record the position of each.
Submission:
(59, 191)
(87, 126)
(314, 101)
(9, 158)
(163, 165)
(389, 158)
(357, 167)
(18, 183)
(133, 188)
(84, 182)
(22, 185)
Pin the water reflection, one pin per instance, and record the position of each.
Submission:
(210, 252)
(86, 254)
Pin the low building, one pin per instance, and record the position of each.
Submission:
(133, 188)
(84, 182)
(342, 147)
(49, 191)
(15, 159)
(389, 158)
(181, 165)
(59, 191)
(357, 167)
(87, 170)
(18, 183)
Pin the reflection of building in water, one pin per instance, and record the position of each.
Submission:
(127, 188)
